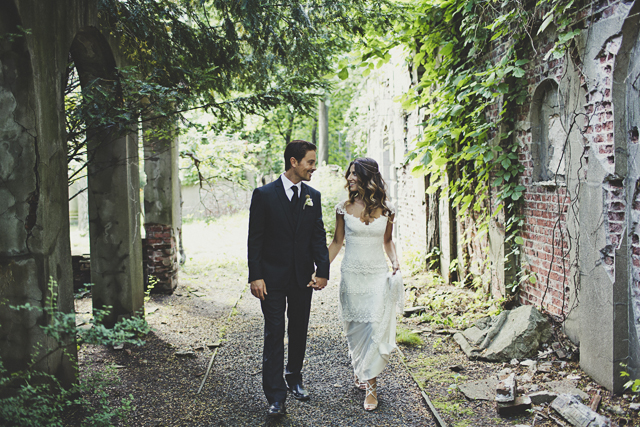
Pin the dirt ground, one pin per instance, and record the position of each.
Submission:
(213, 319)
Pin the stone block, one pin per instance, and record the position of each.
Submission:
(517, 407)
(506, 389)
(540, 397)
(479, 390)
(577, 414)
(474, 335)
(566, 387)
(515, 334)
(522, 333)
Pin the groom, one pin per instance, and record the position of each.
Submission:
(286, 238)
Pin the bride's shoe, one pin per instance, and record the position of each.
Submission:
(371, 390)
(360, 385)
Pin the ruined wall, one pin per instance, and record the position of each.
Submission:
(390, 132)
(35, 254)
(578, 138)
(34, 216)
(576, 209)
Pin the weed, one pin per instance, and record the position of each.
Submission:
(453, 407)
(406, 337)
(433, 368)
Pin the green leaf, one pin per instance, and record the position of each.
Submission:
(518, 72)
(440, 161)
(456, 110)
(519, 240)
(533, 279)
(343, 74)
(545, 23)
(446, 50)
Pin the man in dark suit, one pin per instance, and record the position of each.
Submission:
(286, 239)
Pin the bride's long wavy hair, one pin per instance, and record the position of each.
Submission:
(370, 186)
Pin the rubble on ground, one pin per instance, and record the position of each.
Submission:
(513, 334)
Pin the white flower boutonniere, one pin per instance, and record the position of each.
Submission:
(307, 202)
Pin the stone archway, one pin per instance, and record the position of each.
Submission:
(113, 186)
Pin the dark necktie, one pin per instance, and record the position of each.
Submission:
(294, 204)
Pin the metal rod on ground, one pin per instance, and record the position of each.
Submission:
(213, 356)
(432, 408)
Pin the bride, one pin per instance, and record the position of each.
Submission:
(368, 292)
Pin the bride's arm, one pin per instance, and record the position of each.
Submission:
(338, 238)
(389, 246)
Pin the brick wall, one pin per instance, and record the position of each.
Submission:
(546, 240)
(161, 258)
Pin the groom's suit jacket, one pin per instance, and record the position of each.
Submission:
(277, 252)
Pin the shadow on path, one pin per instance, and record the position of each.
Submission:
(164, 386)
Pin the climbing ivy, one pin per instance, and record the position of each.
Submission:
(470, 57)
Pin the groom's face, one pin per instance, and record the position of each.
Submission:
(305, 167)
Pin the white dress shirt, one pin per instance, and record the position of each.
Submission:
(287, 186)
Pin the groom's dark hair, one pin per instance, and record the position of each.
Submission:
(297, 149)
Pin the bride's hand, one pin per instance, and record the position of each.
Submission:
(395, 265)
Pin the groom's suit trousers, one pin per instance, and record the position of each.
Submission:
(296, 302)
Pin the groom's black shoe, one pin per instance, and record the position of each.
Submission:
(276, 409)
(299, 391)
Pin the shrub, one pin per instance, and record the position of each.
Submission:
(34, 398)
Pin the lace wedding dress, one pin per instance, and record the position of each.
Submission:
(369, 295)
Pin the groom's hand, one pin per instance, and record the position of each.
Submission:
(259, 289)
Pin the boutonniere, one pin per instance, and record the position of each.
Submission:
(307, 202)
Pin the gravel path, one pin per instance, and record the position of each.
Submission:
(164, 386)
(234, 388)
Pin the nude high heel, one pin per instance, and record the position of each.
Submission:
(371, 390)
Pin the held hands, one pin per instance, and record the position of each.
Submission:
(317, 283)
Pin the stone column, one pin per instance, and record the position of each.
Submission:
(162, 211)
(34, 210)
(114, 225)
(323, 134)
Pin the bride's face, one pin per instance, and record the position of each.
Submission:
(352, 179)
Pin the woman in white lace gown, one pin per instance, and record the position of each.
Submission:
(368, 292)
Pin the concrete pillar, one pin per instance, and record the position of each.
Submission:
(114, 225)
(323, 134)
(448, 234)
(162, 211)
(34, 209)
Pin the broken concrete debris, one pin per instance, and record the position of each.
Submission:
(540, 397)
(566, 387)
(479, 390)
(506, 389)
(518, 406)
(513, 334)
(577, 414)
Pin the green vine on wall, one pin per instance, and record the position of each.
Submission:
(471, 59)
